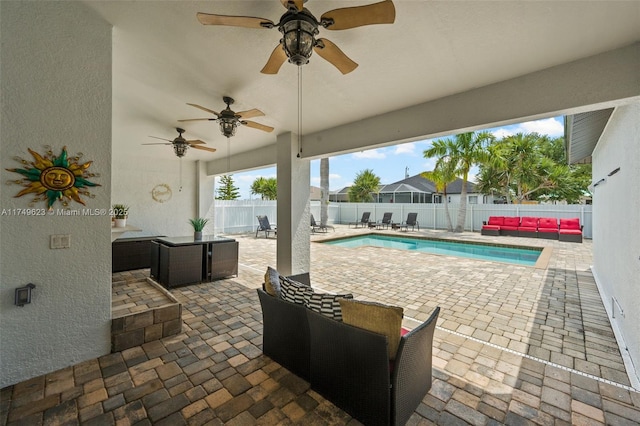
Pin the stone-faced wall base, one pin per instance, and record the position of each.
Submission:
(151, 324)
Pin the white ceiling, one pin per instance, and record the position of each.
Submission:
(164, 58)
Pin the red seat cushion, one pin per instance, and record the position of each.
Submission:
(510, 223)
(548, 224)
(495, 220)
(491, 227)
(529, 222)
(573, 223)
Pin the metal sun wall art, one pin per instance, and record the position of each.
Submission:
(52, 178)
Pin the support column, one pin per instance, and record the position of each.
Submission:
(293, 250)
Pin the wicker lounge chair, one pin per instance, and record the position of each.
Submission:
(410, 222)
(364, 221)
(319, 227)
(385, 222)
(265, 226)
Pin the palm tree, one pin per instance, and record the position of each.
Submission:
(267, 188)
(463, 151)
(365, 183)
(442, 175)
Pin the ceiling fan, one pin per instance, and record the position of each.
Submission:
(229, 119)
(180, 144)
(299, 28)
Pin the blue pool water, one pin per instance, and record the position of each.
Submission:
(519, 256)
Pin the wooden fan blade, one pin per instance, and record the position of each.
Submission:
(158, 143)
(196, 141)
(299, 3)
(277, 58)
(205, 109)
(198, 119)
(203, 148)
(162, 139)
(351, 17)
(332, 53)
(234, 21)
(250, 113)
(258, 126)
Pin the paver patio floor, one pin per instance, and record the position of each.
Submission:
(514, 345)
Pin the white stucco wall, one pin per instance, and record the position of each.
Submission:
(56, 90)
(134, 179)
(616, 221)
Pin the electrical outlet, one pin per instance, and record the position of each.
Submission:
(60, 241)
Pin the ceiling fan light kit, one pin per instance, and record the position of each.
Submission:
(180, 144)
(299, 32)
(229, 120)
(180, 149)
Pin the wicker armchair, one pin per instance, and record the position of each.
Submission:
(286, 331)
(350, 367)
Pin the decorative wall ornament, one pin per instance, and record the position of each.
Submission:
(53, 178)
(161, 193)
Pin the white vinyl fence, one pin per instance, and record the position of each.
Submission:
(236, 217)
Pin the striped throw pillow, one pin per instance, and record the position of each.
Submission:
(293, 291)
(326, 304)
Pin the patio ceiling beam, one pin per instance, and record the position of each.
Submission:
(607, 79)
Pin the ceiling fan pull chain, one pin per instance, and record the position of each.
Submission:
(299, 111)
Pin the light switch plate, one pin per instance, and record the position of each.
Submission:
(60, 241)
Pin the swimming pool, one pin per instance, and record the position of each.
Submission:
(498, 253)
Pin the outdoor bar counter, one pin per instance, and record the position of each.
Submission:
(183, 260)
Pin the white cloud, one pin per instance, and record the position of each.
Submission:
(406, 148)
(548, 126)
(501, 133)
(372, 154)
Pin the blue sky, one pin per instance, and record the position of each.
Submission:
(389, 163)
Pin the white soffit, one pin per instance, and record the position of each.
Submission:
(583, 132)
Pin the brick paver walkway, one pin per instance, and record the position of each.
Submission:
(514, 345)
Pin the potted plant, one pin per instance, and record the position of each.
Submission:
(198, 225)
(120, 213)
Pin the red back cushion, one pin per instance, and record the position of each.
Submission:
(548, 222)
(529, 222)
(573, 223)
(511, 221)
(496, 220)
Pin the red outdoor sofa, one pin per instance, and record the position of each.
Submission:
(534, 227)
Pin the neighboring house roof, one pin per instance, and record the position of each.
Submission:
(455, 187)
(344, 190)
(418, 183)
(399, 187)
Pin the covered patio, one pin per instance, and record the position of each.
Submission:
(514, 345)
